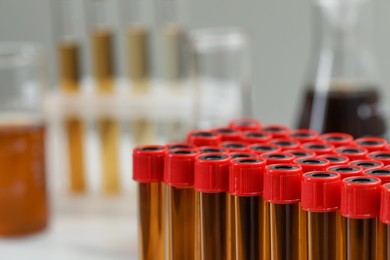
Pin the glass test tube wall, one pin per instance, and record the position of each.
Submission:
(220, 69)
(69, 47)
(102, 41)
(23, 200)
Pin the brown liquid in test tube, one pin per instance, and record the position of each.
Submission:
(283, 209)
(384, 226)
(103, 65)
(245, 187)
(180, 204)
(320, 199)
(68, 53)
(211, 186)
(360, 202)
(148, 171)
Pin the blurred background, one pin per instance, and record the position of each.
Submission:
(162, 70)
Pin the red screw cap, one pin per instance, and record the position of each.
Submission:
(228, 134)
(312, 164)
(381, 173)
(234, 146)
(372, 144)
(237, 155)
(260, 149)
(360, 197)
(352, 152)
(301, 154)
(385, 204)
(204, 138)
(246, 177)
(179, 146)
(335, 159)
(211, 149)
(255, 137)
(148, 163)
(318, 147)
(282, 183)
(277, 131)
(382, 156)
(321, 191)
(212, 173)
(286, 143)
(346, 170)
(337, 139)
(367, 164)
(243, 124)
(278, 158)
(304, 135)
(179, 167)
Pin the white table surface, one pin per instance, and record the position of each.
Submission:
(87, 227)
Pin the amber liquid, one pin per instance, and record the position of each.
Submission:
(322, 235)
(23, 198)
(68, 53)
(249, 219)
(353, 112)
(151, 221)
(180, 205)
(383, 242)
(231, 229)
(213, 222)
(360, 239)
(284, 231)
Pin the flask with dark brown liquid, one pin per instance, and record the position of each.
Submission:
(342, 94)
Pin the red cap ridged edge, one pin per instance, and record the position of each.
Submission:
(148, 165)
(358, 171)
(289, 159)
(255, 140)
(385, 204)
(333, 163)
(212, 176)
(213, 140)
(360, 201)
(353, 156)
(386, 161)
(313, 167)
(381, 143)
(246, 179)
(253, 124)
(282, 186)
(384, 178)
(179, 168)
(347, 139)
(320, 194)
(356, 162)
(311, 135)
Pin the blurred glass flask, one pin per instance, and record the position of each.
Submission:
(221, 74)
(342, 92)
(23, 197)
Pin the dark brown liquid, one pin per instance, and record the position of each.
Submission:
(23, 202)
(353, 112)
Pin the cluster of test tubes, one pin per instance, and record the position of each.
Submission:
(247, 191)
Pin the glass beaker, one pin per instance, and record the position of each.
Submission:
(221, 74)
(23, 198)
(342, 92)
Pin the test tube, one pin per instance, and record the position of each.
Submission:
(335, 159)
(245, 124)
(220, 74)
(337, 139)
(277, 158)
(180, 204)
(304, 135)
(148, 171)
(211, 186)
(103, 70)
(320, 199)
(382, 156)
(352, 152)
(277, 131)
(69, 51)
(204, 138)
(246, 189)
(368, 164)
(313, 164)
(372, 144)
(228, 134)
(282, 187)
(360, 204)
(346, 170)
(255, 137)
(319, 148)
(384, 226)
(286, 143)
